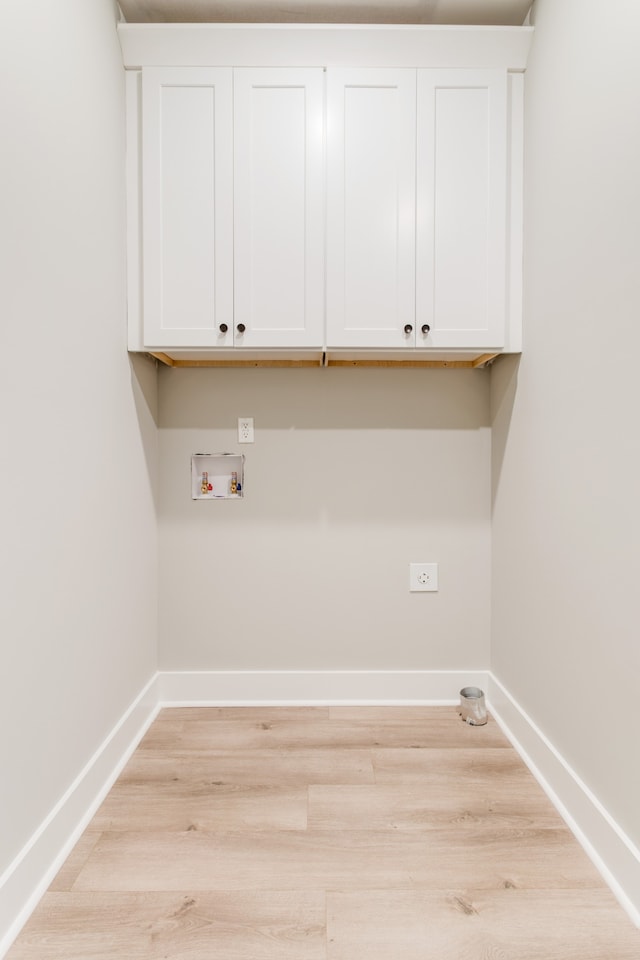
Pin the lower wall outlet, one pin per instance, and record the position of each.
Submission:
(423, 577)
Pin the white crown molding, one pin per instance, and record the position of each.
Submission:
(324, 45)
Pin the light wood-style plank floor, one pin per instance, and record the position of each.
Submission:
(326, 834)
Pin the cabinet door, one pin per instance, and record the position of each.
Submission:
(278, 207)
(187, 171)
(371, 117)
(462, 189)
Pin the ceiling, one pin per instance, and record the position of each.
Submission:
(489, 12)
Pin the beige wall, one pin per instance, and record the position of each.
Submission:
(566, 454)
(353, 474)
(78, 601)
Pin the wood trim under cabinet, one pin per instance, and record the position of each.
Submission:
(171, 362)
(475, 364)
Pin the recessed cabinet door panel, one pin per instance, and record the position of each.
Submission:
(279, 207)
(371, 117)
(187, 205)
(461, 230)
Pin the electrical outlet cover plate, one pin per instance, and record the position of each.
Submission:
(423, 577)
(245, 429)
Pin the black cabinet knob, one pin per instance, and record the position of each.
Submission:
(241, 328)
(425, 328)
(223, 328)
(408, 328)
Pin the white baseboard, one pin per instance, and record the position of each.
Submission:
(612, 852)
(26, 879)
(306, 687)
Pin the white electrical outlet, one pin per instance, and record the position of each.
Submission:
(245, 429)
(423, 577)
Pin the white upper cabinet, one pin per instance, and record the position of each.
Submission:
(187, 208)
(233, 207)
(416, 208)
(278, 208)
(339, 213)
(461, 254)
(371, 203)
